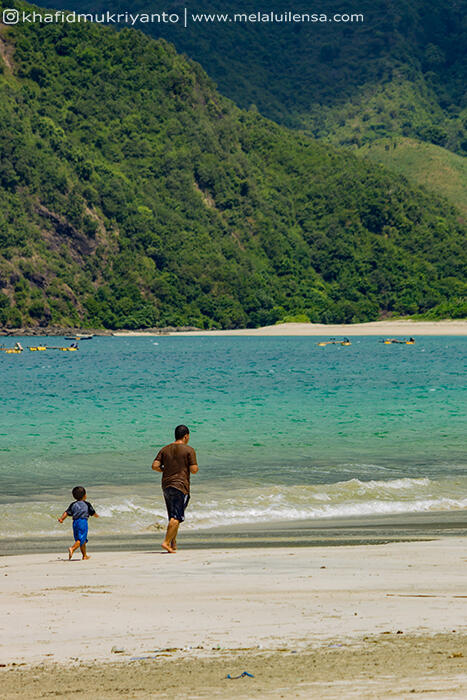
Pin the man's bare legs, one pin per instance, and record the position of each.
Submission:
(171, 536)
(83, 551)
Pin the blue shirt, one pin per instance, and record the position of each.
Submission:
(80, 509)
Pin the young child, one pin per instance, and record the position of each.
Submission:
(80, 510)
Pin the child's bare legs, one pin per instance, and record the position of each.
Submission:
(72, 550)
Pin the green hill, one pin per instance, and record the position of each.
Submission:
(398, 74)
(134, 195)
(430, 166)
(400, 71)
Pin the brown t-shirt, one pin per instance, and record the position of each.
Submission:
(176, 460)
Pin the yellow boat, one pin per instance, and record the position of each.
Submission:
(15, 350)
(38, 348)
(333, 341)
(397, 341)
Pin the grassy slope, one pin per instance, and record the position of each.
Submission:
(430, 166)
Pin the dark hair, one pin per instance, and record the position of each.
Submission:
(79, 492)
(181, 431)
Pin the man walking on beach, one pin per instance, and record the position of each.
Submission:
(176, 462)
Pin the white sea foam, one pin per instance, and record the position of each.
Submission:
(396, 484)
(229, 517)
(142, 510)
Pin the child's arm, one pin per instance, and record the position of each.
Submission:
(91, 510)
(62, 517)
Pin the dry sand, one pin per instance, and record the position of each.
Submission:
(380, 328)
(366, 621)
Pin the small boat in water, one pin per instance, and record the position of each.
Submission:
(79, 336)
(18, 348)
(333, 341)
(71, 348)
(399, 341)
(15, 350)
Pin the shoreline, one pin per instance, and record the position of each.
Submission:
(320, 532)
(301, 620)
(405, 327)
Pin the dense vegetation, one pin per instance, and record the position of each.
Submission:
(400, 72)
(134, 195)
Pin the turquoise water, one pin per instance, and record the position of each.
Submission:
(283, 428)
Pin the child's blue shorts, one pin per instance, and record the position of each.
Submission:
(80, 530)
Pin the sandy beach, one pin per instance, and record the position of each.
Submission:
(382, 328)
(399, 327)
(363, 621)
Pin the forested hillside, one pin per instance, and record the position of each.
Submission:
(402, 71)
(134, 195)
(397, 71)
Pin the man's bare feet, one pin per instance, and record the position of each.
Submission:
(167, 548)
(70, 553)
(86, 556)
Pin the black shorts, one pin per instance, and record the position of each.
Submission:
(176, 502)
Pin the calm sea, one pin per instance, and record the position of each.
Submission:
(284, 429)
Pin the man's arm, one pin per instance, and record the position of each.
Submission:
(62, 518)
(193, 468)
(156, 465)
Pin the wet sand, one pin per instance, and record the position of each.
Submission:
(344, 621)
(324, 532)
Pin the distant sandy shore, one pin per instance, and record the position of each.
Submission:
(400, 327)
(364, 621)
(381, 328)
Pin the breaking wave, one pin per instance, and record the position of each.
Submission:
(143, 510)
